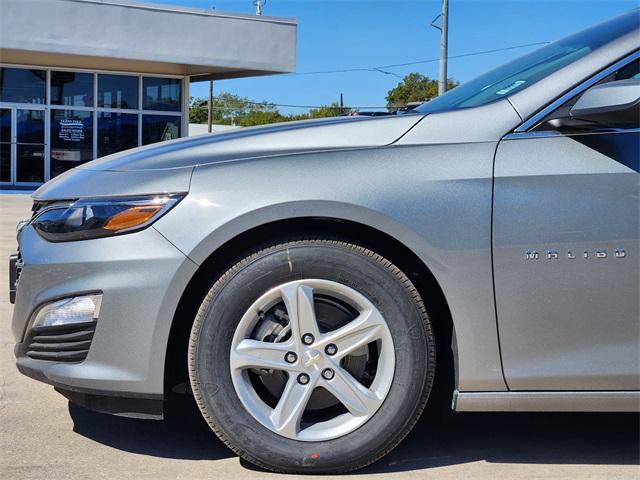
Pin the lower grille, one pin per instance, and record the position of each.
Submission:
(15, 268)
(65, 343)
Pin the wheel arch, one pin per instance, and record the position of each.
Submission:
(228, 252)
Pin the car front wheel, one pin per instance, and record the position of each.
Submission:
(312, 356)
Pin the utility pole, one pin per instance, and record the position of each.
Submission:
(444, 47)
(259, 4)
(210, 106)
(341, 105)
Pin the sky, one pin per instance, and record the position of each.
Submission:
(338, 34)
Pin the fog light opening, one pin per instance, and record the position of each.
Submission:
(69, 311)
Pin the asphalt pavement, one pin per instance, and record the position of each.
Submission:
(42, 436)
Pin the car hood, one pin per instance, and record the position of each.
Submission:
(167, 166)
(278, 139)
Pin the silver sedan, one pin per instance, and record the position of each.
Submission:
(314, 286)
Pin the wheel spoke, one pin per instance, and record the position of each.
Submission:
(359, 400)
(256, 354)
(302, 315)
(364, 329)
(288, 412)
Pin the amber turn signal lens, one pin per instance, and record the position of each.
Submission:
(131, 217)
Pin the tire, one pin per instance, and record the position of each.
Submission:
(231, 396)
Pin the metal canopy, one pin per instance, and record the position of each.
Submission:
(147, 38)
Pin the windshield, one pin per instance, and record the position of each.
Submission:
(527, 70)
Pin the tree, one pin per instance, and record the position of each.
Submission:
(228, 109)
(260, 117)
(197, 110)
(332, 110)
(233, 109)
(414, 87)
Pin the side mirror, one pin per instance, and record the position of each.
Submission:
(614, 104)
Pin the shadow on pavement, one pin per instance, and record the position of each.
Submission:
(538, 438)
(182, 435)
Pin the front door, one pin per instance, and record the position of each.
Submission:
(566, 250)
(22, 146)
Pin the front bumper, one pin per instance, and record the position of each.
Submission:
(123, 404)
(141, 277)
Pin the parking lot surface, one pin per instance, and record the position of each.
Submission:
(43, 436)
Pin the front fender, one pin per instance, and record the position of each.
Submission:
(436, 200)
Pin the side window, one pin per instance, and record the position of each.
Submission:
(612, 103)
(631, 70)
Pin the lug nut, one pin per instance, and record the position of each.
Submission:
(328, 374)
(307, 339)
(291, 357)
(331, 349)
(303, 379)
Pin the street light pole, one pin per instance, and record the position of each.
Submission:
(444, 41)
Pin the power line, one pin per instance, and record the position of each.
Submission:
(380, 69)
(417, 62)
(286, 105)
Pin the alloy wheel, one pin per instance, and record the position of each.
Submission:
(312, 360)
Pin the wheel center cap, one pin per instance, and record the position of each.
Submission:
(312, 359)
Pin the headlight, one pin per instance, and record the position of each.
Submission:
(101, 217)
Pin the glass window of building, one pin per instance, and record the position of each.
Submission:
(30, 126)
(30, 146)
(73, 89)
(82, 115)
(158, 128)
(161, 94)
(21, 85)
(118, 91)
(5, 162)
(5, 125)
(5, 144)
(30, 163)
(116, 132)
(71, 139)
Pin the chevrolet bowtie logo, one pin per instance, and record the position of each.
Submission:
(312, 361)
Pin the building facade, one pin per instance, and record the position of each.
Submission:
(68, 97)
